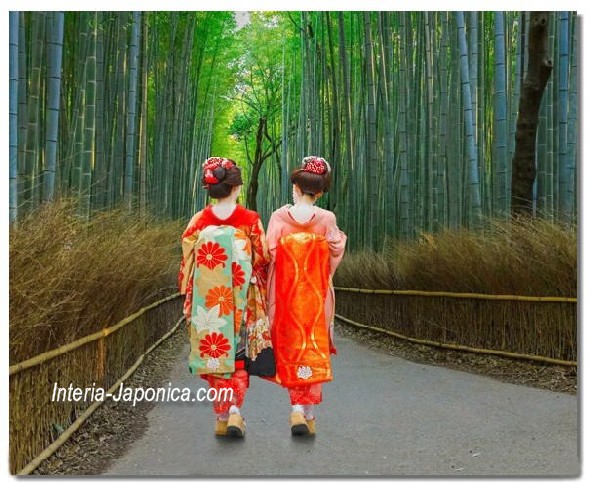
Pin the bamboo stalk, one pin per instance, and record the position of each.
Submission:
(46, 356)
(459, 295)
(63, 437)
(458, 347)
(13, 111)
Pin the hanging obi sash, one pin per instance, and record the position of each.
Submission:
(300, 333)
(223, 269)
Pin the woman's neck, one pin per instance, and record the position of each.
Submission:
(303, 210)
(305, 200)
(224, 207)
(228, 202)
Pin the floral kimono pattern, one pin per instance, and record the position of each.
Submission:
(223, 276)
(219, 299)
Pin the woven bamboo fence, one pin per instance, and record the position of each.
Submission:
(537, 328)
(98, 360)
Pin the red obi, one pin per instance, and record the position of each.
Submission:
(300, 334)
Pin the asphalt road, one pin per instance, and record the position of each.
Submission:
(381, 415)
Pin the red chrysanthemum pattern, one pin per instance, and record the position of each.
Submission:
(211, 255)
(214, 345)
(238, 275)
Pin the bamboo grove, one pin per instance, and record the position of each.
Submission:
(416, 111)
(113, 107)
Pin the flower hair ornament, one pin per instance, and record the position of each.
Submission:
(316, 165)
(211, 164)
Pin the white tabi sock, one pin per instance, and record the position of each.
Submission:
(308, 411)
(298, 407)
(234, 410)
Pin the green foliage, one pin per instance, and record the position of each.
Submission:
(259, 72)
(242, 125)
(378, 94)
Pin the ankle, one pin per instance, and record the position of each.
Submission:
(234, 410)
(298, 408)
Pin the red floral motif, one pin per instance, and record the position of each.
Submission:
(316, 165)
(214, 345)
(221, 296)
(211, 164)
(211, 255)
(238, 275)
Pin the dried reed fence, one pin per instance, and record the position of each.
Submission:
(71, 277)
(456, 287)
(97, 360)
(537, 328)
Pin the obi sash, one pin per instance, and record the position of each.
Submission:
(222, 274)
(300, 335)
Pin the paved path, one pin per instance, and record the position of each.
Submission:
(381, 415)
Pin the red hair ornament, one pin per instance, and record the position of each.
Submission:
(316, 165)
(212, 164)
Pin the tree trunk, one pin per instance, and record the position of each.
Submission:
(13, 109)
(143, 124)
(131, 112)
(538, 72)
(371, 155)
(404, 203)
(34, 127)
(89, 120)
(256, 166)
(346, 108)
(430, 172)
(99, 185)
(22, 110)
(565, 204)
(474, 210)
(572, 131)
(443, 126)
(499, 159)
(55, 49)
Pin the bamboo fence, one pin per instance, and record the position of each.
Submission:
(38, 425)
(542, 329)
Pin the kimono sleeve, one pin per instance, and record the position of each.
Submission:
(336, 241)
(272, 236)
(188, 240)
(260, 256)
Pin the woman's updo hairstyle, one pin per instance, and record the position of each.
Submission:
(220, 175)
(313, 177)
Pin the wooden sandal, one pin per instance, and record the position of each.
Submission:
(236, 426)
(220, 427)
(298, 424)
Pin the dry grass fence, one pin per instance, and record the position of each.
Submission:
(69, 279)
(528, 258)
(98, 361)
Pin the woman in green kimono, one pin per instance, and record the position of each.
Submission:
(223, 275)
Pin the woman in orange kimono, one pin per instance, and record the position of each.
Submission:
(305, 247)
(223, 275)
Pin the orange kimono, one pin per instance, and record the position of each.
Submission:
(301, 302)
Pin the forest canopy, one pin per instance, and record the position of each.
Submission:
(416, 112)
